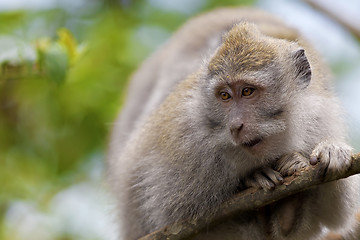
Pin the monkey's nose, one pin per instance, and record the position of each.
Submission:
(235, 131)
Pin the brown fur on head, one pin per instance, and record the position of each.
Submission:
(242, 50)
(245, 49)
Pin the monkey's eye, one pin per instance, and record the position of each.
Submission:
(247, 91)
(225, 96)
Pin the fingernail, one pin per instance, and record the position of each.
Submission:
(313, 160)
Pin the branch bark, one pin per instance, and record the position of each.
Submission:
(251, 199)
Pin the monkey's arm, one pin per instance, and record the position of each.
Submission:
(251, 199)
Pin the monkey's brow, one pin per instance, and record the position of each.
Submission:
(221, 85)
(228, 83)
(248, 81)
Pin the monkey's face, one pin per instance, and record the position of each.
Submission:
(252, 113)
(251, 80)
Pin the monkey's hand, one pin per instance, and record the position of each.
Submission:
(334, 157)
(266, 178)
(291, 163)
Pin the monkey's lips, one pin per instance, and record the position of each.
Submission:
(252, 143)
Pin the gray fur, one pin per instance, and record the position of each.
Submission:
(172, 156)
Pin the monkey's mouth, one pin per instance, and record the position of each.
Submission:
(252, 143)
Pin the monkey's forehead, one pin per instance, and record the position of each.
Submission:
(243, 48)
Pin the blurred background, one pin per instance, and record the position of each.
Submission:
(64, 67)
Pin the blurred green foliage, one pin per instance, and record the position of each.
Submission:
(62, 80)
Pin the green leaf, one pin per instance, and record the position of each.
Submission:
(56, 62)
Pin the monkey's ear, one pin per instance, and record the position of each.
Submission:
(302, 68)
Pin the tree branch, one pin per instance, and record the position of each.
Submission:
(251, 199)
(342, 18)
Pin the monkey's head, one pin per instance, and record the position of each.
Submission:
(251, 81)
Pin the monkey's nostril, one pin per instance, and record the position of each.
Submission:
(235, 130)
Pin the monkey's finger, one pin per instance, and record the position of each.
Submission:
(318, 157)
(319, 154)
(264, 182)
(323, 169)
(315, 157)
(314, 160)
(250, 182)
(291, 163)
(274, 176)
